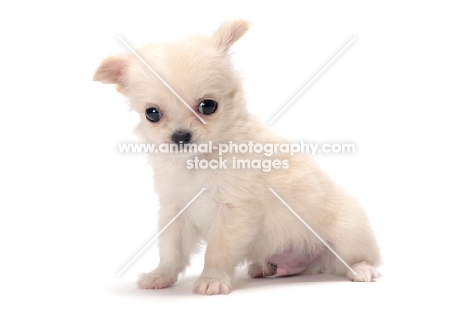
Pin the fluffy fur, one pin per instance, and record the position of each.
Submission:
(237, 216)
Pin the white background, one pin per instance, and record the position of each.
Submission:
(74, 211)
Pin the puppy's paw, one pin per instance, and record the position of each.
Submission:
(156, 280)
(257, 271)
(210, 287)
(364, 272)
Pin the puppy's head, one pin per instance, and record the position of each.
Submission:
(196, 70)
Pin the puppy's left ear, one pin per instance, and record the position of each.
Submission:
(229, 32)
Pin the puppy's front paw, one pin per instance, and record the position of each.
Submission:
(210, 287)
(156, 280)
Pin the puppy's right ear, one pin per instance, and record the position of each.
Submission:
(114, 70)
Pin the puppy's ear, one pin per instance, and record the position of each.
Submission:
(229, 32)
(113, 70)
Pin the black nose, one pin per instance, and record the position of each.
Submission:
(181, 137)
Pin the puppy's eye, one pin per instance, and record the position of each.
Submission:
(208, 106)
(153, 114)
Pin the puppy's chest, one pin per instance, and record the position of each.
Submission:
(207, 209)
(210, 206)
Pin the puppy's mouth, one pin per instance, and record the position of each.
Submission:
(194, 148)
(184, 148)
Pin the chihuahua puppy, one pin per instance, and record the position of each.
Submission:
(238, 215)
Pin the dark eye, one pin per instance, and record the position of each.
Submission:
(207, 106)
(153, 114)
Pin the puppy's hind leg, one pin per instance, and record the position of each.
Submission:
(365, 272)
(358, 248)
(256, 270)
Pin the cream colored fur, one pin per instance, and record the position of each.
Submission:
(237, 216)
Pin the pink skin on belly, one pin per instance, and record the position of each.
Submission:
(289, 263)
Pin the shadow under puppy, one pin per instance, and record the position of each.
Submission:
(237, 215)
